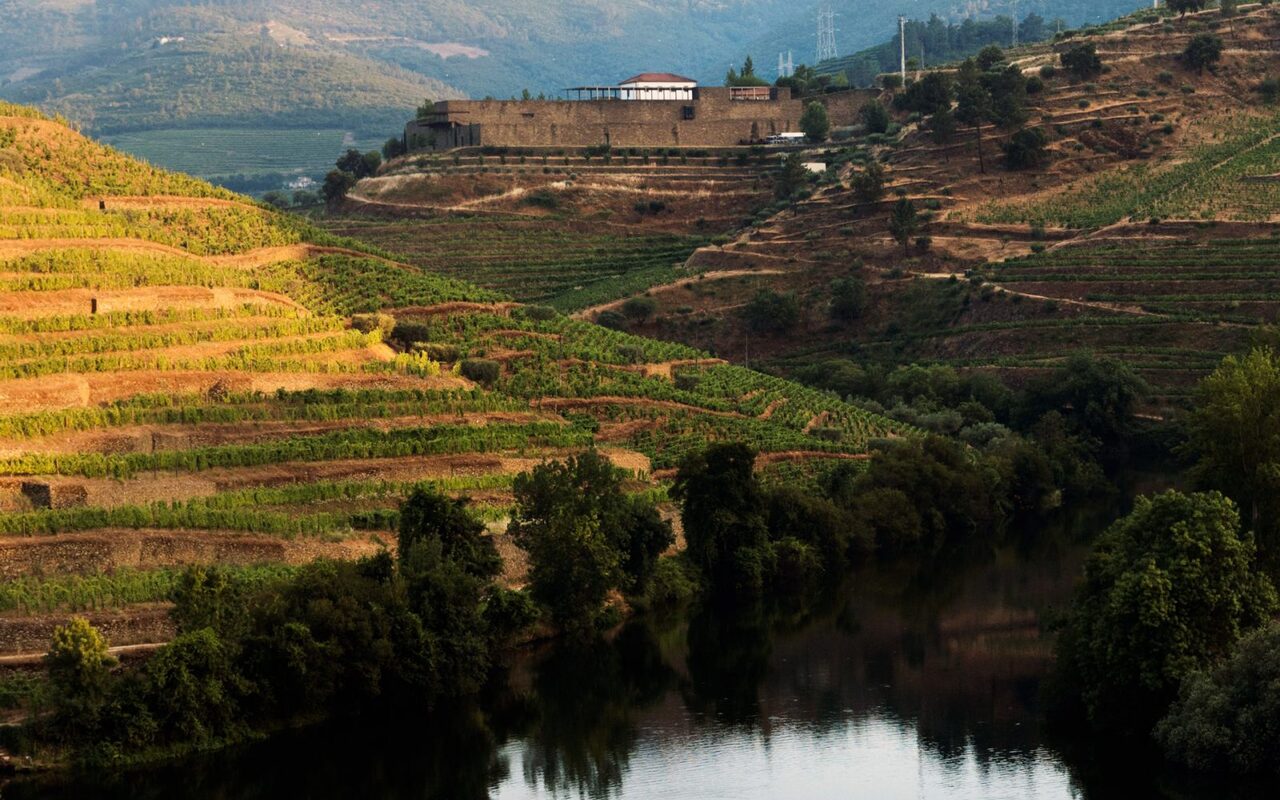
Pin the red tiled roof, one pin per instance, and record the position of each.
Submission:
(658, 77)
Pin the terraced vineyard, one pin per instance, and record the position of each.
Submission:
(187, 377)
(531, 260)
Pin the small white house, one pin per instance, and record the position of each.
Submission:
(657, 86)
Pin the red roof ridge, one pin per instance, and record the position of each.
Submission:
(658, 77)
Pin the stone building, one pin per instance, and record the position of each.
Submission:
(649, 110)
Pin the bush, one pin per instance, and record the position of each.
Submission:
(772, 312)
(639, 308)
(368, 323)
(874, 116)
(481, 370)
(1204, 50)
(1082, 61)
(1026, 149)
(1169, 589)
(1048, 71)
(612, 319)
(1227, 719)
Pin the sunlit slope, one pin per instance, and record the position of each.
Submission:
(187, 377)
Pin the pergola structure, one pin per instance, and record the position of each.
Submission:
(645, 86)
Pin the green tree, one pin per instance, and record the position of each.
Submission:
(426, 515)
(929, 95)
(1183, 7)
(874, 116)
(868, 183)
(1202, 51)
(1026, 149)
(904, 223)
(791, 178)
(973, 103)
(815, 123)
(942, 127)
(723, 511)
(639, 308)
(989, 57)
(336, 185)
(79, 664)
(393, 148)
(772, 312)
(427, 108)
(1168, 589)
(1082, 61)
(848, 298)
(1097, 396)
(584, 536)
(1227, 717)
(1235, 431)
(193, 688)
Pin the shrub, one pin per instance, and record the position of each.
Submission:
(639, 308)
(481, 370)
(1169, 588)
(368, 323)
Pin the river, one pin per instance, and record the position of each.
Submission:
(911, 682)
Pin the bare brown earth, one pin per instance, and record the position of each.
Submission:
(96, 551)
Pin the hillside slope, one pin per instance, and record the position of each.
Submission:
(1147, 236)
(187, 377)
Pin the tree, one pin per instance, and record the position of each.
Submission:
(336, 185)
(989, 56)
(1202, 51)
(1026, 149)
(351, 162)
(723, 511)
(1008, 91)
(874, 116)
(772, 312)
(815, 123)
(193, 688)
(929, 95)
(393, 148)
(973, 103)
(584, 535)
(639, 308)
(868, 184)
(1168, 589)
(1185, 6)
(904, 223)
(1235, 431)
(427, 108)
(1082, 61)
(848, 298)
(942, 127)
(1227, 717)
(428, 516)
(792, 177)
(1097, 396)
(79, 664)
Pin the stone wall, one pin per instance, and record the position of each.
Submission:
(711, 119)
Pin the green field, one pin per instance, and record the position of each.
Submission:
(234, 151)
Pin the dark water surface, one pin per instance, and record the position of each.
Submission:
(910, 683)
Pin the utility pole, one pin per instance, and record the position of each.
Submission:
(902, 48)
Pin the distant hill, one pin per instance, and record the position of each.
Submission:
(196, 84)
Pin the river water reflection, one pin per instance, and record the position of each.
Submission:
(910, 683)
